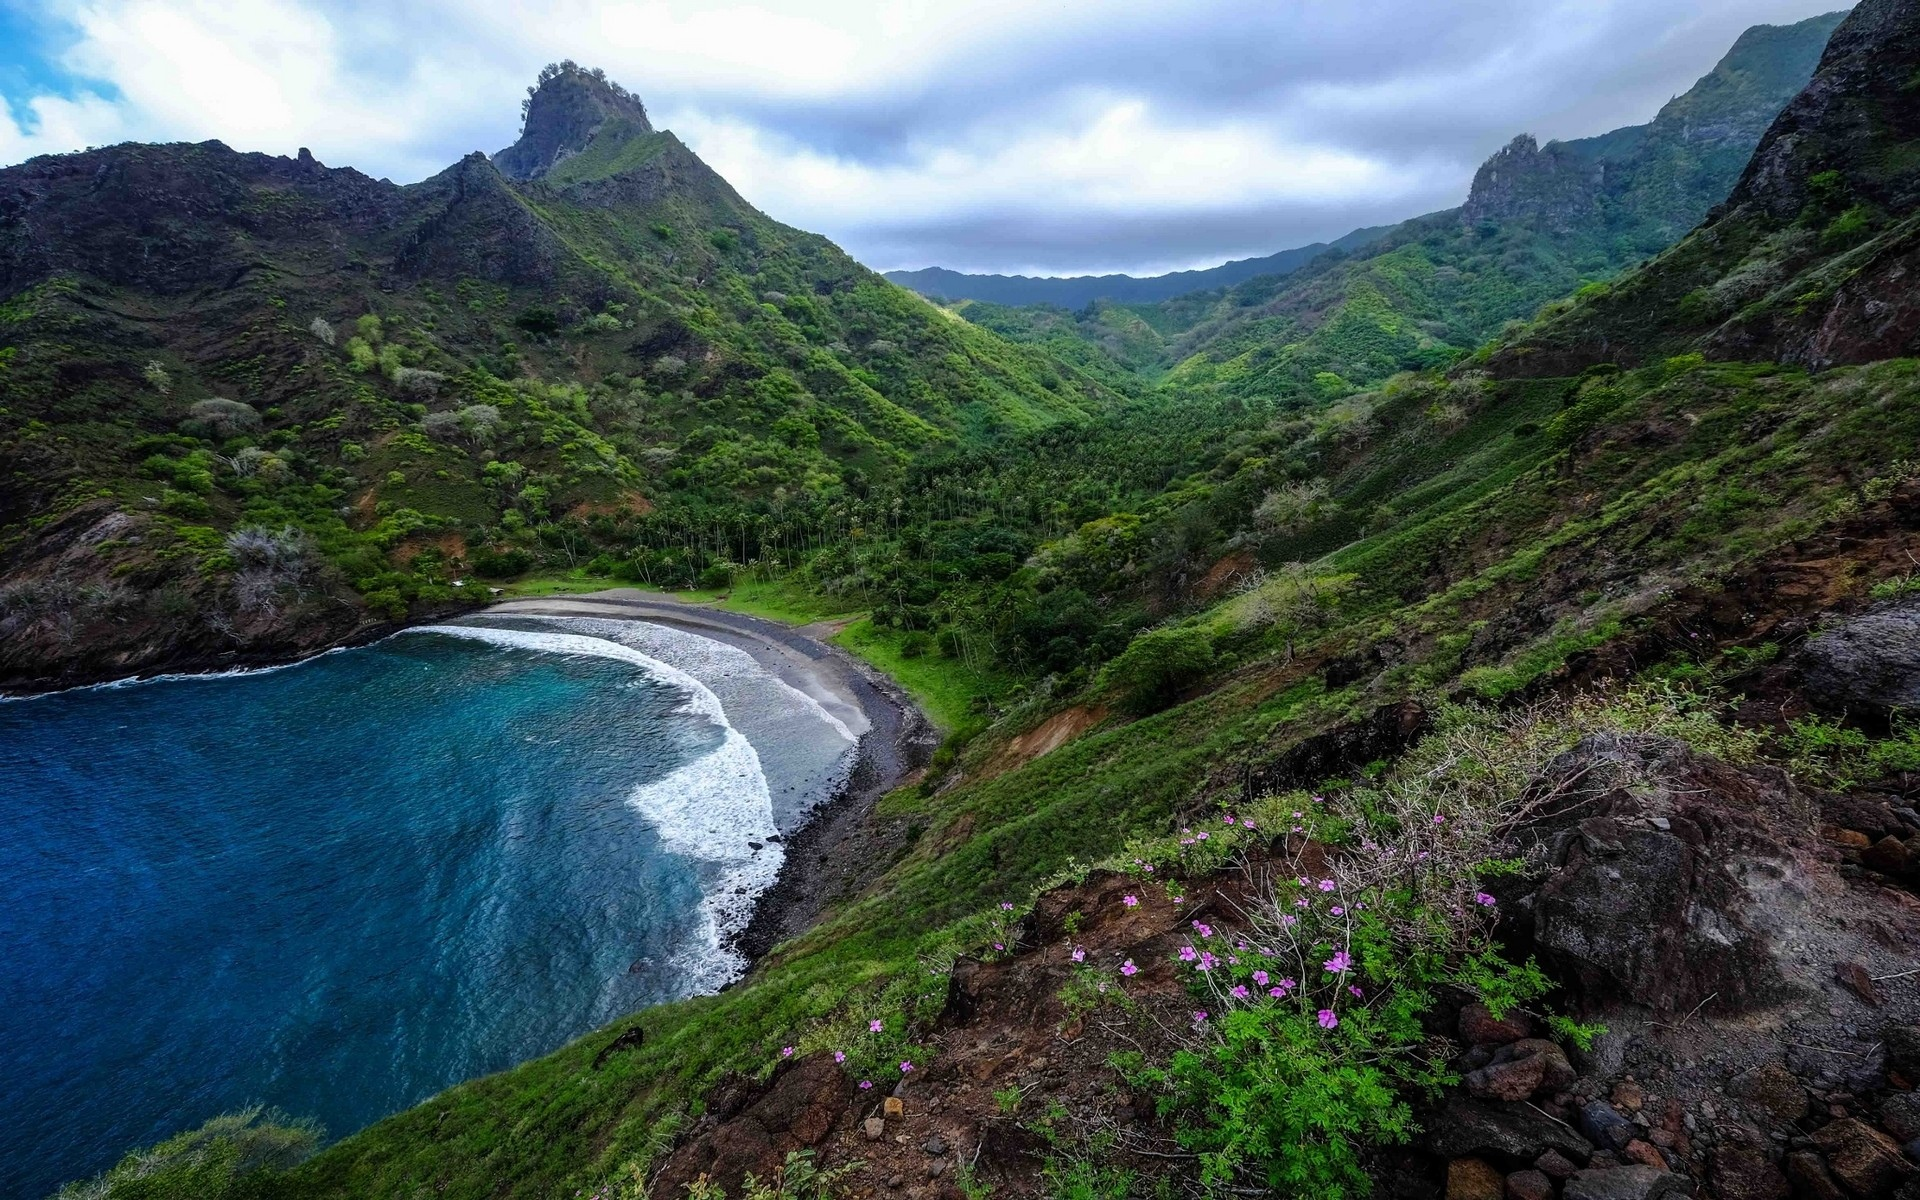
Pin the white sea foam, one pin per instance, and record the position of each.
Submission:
(712, 810)
(178, 677)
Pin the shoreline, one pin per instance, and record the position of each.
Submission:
(840, 847)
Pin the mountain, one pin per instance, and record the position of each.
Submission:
(1080, 290)
(1539, 223)
(408, 385)
(1810, 259)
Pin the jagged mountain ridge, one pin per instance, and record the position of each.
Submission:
(631, 332)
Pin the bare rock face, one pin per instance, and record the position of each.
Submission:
(1866, 1161)
(1520, 1070)
(1867, 665)
(1665, 874)
(1551, 185)
(750, 1127)
(564, 112)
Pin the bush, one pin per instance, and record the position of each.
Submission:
(502, 564)
(219, 419)
(538, 319)
(1157, 664)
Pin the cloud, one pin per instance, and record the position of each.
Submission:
(1079, 135)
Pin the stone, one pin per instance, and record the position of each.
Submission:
(894, 1106)
(1810, 1177)
(1529, 1185)
(1888, 856)
(1863, 1159)
(1478, 1028)
(1903, 1049)
(1521, 1069)
(1742, 1169)
(1555, 1165)
(1644, 1153)
(1869, 664)
(1627, 1095)
(935, 1145)
(1855, 979)
(1900, 1116)
(1624, 1183)
(1465, 1127)
(1607, 1128)
(1773, 1089)
(1474, 1179)
(874, 1128)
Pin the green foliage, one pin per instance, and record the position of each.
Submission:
(1155, 666)
(228, 1158)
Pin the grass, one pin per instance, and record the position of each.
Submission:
(954, 696)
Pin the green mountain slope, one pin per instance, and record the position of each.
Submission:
(409, 385)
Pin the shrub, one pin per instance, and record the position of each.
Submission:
(1157, 664)
(213, 1162)
(502, 564)
(219, 419)
(322, 328)
(539, 320)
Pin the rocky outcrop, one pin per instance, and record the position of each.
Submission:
(1551, 186)
(1866, 665)
(564, 112)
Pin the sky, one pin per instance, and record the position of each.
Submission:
(1062, 137)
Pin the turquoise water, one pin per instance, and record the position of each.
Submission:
(339, 887)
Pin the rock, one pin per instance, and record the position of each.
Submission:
(1478, 1028)
(1869, 664)
(1607, 1057)
(1887, 856)
(874, 1128)
(935, 1145)
(1810, 1178)
(1607, 1128)
(894, 1106)
(1903, 1049)
(1519, 1070)
(1555, 1165)
(1630, 913)
(1900, 1116)
(1644, 1153)
(1855, 979)
(1529, 1185)
(1474, 1179)
(1624, 1183)
(1627, 1095)
(1743, 1171)
(1863, 1159)
(1773, 1089)
(1514, 1132)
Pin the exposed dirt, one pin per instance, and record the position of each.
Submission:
(1043, 739)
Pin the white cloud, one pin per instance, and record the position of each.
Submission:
(854, 117)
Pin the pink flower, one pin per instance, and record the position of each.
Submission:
(905, 1067)
(1239, 992)
(1199, 1016)
(1207, 961)
(1131, 901)
(1327, 1019)
(1205, 930)
(1079, 954)
(1248, 823)
(839, 1056)
(1188, 954)
(1482, 898)
(865, 1084)
(1319, 799)
(1337, 911)
(1357, 993)
(1230, 819)
(1438, 819)
(1327, 885)
(1201, 836)
(1005, 906)
(1339, 963)
(1289, 919)
(1300, 903)
(1304, 881)
(874, 1027)
(1149, 868)
(786, 1052)
(1286, 984)
(1278, 993)
(1179, 899)
(1260, 977)
(1127, 967)
(998, 946)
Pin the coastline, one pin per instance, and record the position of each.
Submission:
(842, 846)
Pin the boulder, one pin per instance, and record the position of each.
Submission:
(1772, 1089)
(1520, 1070)
(1648, 860)
(1624, 1183)
(1743, 1171)
(1607, 1128)
(1515, 1133)
(1869, 664)
(1478, 1028)
(1810, 1178)
(1864, 1160)
(1900, 1116)
(1529, 1185)
(1903, 1049)
(1555, 1165)
(1474, 1179)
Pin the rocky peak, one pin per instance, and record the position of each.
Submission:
(1529, 181)
(563, 111)
(1858, 118)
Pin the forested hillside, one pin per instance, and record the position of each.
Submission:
(1437, 757)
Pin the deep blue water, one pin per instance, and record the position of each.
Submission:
(337, 887)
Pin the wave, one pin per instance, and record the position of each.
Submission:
(175, 677)
(716, 811)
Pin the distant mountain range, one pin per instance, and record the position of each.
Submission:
(1080, 290)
